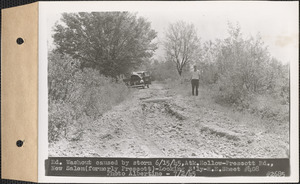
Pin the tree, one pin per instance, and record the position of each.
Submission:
(181, 44)
(111, 42)
(245, 59)
(245, 67)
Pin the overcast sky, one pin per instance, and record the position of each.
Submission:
(277, 22)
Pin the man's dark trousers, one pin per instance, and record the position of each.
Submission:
(195, 84)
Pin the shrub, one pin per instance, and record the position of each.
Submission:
(230, 89)
(60, 116)
(266, 106)
(77, 97)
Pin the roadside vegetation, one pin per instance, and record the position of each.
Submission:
(236, 72)
(78, 97)
(92, 52)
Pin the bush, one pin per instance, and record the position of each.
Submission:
(77, 97)
(268, 107)
(94, 94)
(60, 115)
(230, 89)
(243, 75)
(242, 68)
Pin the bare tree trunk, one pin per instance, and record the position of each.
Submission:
(179, 71)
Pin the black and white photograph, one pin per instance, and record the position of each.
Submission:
(196, 82)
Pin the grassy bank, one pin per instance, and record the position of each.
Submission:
(77, 97)
(85, 104)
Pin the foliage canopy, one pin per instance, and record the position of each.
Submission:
(110, 42)
(181, 44)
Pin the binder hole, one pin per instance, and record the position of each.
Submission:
(20, 41)
(19, 143)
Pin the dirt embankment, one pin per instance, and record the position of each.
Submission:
(157, 123)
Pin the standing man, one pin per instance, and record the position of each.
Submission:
(195, 80)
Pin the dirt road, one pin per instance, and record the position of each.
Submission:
(159, 123)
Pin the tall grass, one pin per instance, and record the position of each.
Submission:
(77, 97)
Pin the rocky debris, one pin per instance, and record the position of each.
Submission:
(107, 136)
(155, 100)
(118, 132)
(156, 124)
(161, 105)
(173, 112)
(219, 131)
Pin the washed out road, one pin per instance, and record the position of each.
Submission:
(159, 123)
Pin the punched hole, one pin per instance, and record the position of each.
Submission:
(20, 41)
(20, 143)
